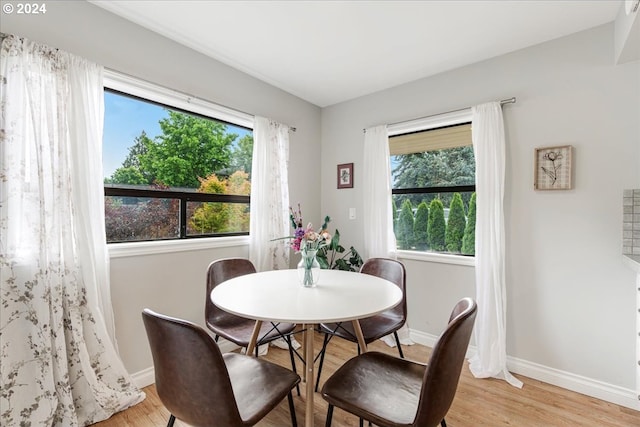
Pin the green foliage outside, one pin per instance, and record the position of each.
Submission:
(404, 234)
(420, 227)
(243, 155)
(394, 210)
(131, 171)
(469, 239)
(451, 240)
(436, 226)
(188, 149)
(450, 167)
(456, 225)
(335, 257)
(212, 217)
(134, 218)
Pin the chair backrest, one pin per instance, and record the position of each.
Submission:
(219, 271)
(191, 377)
(393, 271)
(443, 371)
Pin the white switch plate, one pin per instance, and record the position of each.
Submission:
(352, 213)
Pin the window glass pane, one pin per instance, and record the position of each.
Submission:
(217, 218)
(440, 168)
(141, 218)
(435, 222)
(150, 147)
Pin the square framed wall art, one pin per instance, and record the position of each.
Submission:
(345, 175)
(553, 169)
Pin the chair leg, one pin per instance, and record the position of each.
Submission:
(395, 335)
(172, 420)
(324, 348)
(292, 409)
(329, 416)
(361, 424)
(293, 360)
(443, 423)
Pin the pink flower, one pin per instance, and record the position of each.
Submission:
(307, 238)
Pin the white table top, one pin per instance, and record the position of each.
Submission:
(278, 296)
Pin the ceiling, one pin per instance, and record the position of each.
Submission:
(326, 52)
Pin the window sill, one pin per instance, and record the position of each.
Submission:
(439, 258)
(120, 250)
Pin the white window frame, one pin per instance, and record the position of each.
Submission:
(423, 124)
(171, 98)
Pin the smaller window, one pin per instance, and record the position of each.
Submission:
(433, 188)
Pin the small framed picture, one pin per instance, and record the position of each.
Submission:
(553, 168)
(345, 175)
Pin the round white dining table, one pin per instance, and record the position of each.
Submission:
(278, 296)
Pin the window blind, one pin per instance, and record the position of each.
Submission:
(430, 140)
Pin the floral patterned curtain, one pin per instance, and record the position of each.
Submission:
(58, 366)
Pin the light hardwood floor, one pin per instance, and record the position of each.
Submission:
(485, 402)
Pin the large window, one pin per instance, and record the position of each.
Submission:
(433, 173)
(174, 167)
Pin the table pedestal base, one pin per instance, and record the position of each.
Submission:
(308, 376)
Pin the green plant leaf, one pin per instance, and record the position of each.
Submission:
(336, 257)
(335, 241)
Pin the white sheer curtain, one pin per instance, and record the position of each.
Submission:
(490, 329)
(59, 366)
(269, 216)
(379, 239)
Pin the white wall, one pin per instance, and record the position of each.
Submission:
(627, 36)
(172, 283)
(570, 298)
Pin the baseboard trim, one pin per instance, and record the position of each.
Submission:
(144, 378)
(567, 380)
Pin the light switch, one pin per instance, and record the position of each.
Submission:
(352, 213)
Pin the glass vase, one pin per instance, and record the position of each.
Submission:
(308, 268)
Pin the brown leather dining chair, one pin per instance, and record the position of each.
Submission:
(205, 388)
(235, 328)
(392, 392)
(380, 325)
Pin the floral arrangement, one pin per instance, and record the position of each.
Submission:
(307, 238)
(330, 254)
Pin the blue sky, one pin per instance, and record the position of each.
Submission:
(124, 119)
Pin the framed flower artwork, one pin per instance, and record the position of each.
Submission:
(345, 175)
(553, 168)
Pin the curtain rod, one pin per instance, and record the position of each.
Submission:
(511, 100)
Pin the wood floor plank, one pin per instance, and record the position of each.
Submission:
(478, 402)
